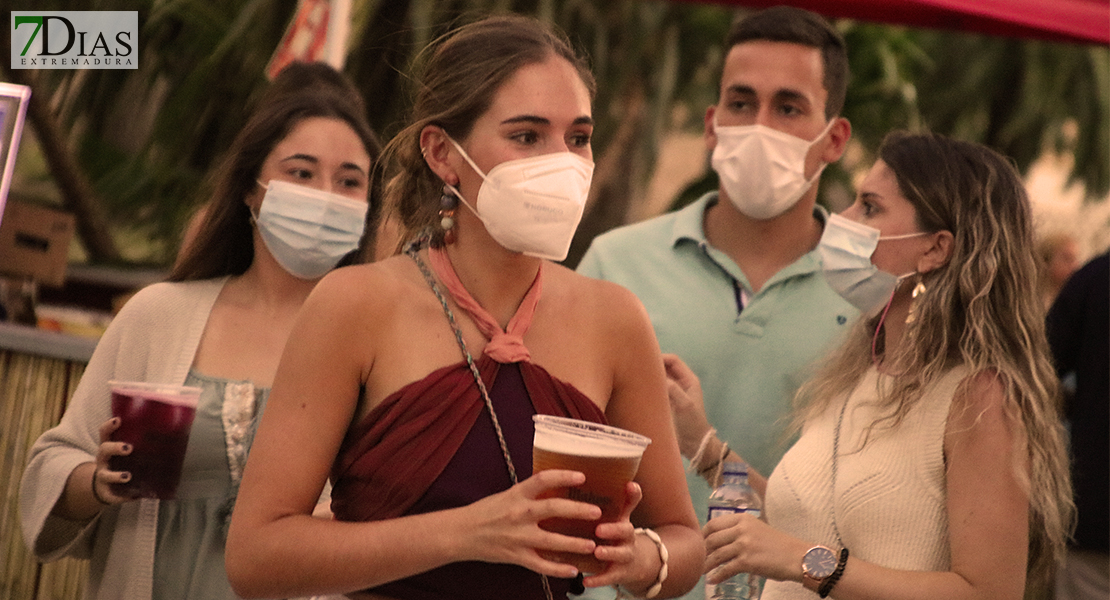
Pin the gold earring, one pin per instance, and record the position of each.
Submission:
(918, 290)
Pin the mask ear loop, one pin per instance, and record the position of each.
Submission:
(821, 169)
(250, 209)
(879, 327)
(882, 319)
(454, 189)
(458, 194)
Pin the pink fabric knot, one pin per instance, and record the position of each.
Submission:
(505, 345)
(507, 348)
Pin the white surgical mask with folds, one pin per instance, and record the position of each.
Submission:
(533, 205)
(309, 230)
(762, 169)
(846, 248)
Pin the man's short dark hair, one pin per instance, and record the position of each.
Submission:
(798, 26)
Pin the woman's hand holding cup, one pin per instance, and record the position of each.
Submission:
(618, 544)
(505, 527)
(103, 476)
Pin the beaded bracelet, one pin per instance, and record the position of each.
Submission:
(827, 585)
(664, 556)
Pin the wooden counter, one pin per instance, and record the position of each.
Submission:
(38, 372)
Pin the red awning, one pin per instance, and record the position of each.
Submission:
(1079, 21)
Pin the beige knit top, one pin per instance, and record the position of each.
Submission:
(890, 497)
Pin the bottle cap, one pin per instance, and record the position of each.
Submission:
(734, 467)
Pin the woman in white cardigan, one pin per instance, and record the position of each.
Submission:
(219, 323)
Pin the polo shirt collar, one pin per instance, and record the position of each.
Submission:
(689, 225)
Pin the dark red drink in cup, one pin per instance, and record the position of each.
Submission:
(608, 456)
(155, 419)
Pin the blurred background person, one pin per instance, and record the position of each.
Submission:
(1058, 252)
(299, 167)
(1079, 334)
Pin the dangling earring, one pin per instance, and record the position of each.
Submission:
(918, 290)
(448, 202)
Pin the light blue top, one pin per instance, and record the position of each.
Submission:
(192, 528)
(750, 351)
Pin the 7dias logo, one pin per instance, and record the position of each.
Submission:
(75, 39)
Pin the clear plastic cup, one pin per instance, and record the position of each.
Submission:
(155, 419)
(608, 456)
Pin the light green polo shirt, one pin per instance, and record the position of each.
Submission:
(750, 351)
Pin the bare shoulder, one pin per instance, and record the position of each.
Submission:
(364, 287)
(358, 304)
(979, 393)
(980, 406)
(603, 300)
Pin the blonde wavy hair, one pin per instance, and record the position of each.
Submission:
(462, 72)
(981, 310)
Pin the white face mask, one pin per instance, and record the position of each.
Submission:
(533, 205)
(761, 169)
(308, 230)
(846, 248)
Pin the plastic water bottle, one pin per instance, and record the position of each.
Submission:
(734, 495)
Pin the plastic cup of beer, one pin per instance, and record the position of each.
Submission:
(608, 456)
(155, 419)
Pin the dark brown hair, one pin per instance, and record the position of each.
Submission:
(223, 244)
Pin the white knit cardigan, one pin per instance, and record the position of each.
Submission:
(154, 338)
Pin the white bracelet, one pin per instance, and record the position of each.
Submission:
(664, 556)
(701, 450)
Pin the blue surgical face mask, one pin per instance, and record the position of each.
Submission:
(309, 230)
(846, 248)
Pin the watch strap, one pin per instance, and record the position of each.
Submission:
(827, 585)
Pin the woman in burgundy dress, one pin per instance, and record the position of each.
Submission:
(411, 382)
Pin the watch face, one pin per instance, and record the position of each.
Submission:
(819, 563)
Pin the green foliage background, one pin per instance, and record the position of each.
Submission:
(146, 138)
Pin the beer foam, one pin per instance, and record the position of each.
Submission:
(583, 438)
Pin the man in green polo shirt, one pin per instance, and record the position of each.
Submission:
(733, 282)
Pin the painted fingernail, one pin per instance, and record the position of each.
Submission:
(127, 447)
(125, 477)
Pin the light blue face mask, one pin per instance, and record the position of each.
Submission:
(846, 248)
(309, 230)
